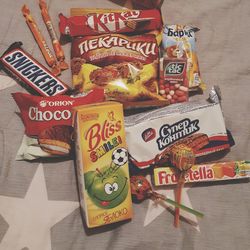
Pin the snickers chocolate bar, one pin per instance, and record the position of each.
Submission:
(30, 73)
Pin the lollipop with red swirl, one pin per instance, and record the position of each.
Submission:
(141, 189)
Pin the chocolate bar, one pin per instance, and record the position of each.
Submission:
(111, 22)
(30, 73)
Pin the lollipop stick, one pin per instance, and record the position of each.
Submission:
(190, 210)
(178, 198)
(176, 204)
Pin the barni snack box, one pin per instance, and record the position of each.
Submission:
(102, 163)
(218, 171)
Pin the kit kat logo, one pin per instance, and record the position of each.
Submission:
(110, 22)
(33, 74)
(148, 134)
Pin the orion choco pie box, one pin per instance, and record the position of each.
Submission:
(102, 163)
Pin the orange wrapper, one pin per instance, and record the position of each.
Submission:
(55, 42)
(47, 54)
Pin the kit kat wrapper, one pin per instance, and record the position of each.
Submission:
(128, 21)
(207, 172)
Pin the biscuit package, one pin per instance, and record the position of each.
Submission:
(48, 123)
(126, 67)
(102, 163)
(178, 41)
(159, 136)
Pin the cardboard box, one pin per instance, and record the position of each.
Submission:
(102, 163)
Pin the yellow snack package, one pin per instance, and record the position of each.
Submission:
(102, 163)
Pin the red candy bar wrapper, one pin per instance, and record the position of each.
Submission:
(33, 76)
(218, 171)
(152, 136)
(48, 123)
(128, 21)
(39, 113)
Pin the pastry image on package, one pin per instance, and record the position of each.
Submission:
(125, 67)
(102, 163)
(56, 140)
(48, 123)
(178, 42)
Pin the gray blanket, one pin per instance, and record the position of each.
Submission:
(39, 206)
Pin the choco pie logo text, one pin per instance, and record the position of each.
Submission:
(33, 73)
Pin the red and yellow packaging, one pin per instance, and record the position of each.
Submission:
(219, 171)
(102, 163)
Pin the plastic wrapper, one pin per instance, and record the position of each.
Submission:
(127, 21)
(48, 123)
(161, 135)
(178, 41)
(126, 67)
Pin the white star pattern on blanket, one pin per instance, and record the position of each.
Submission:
(33, 213)
(155, 210)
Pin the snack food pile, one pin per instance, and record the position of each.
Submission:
(122, 61)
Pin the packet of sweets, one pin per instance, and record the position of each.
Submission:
(126, 67)
(173, 83)
(207, 172)
(48, 123)
(178, 41)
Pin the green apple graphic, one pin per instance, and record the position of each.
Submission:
(108, 187)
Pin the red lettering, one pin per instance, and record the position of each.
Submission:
(118, 126)
(93, 156)
(196, 175)
(93, 136)
(98, 133)
(210, 174)
(162, 177)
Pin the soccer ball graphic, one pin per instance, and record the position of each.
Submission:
(120, 156)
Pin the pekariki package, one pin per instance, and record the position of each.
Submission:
(178, 42)
(153, 137)
(102, 163)
(48, 123)
(126, 67)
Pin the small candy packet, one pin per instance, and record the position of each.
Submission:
(178, 41)
(173, 83)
